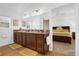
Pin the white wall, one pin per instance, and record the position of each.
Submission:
(77, 29)
(6, 34)
(64, 16)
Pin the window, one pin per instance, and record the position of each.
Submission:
(4, 24)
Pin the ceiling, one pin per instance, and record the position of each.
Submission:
(17, 10)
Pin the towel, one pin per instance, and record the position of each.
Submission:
(48, 40)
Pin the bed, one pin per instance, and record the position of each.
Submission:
(62, 34)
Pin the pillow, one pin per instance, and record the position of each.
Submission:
(59, 29)
(65, 30)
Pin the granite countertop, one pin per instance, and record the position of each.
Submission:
(35, 32)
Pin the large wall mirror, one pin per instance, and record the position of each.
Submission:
(26, 24)
(15, 23)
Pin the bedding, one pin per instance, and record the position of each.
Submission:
(62, 34)
(63, 30)
(59, 29)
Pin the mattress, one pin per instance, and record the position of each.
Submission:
(67, 34)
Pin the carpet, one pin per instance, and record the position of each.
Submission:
(28, 52)
(15, 46)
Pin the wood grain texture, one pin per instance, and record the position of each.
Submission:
(32, 40)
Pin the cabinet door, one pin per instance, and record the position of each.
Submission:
(18, 37)
(40, 39)
(15, 37)
(24, 39)
(46, 48)
(33, 42)
(29, 40)
(40, 48)
(21, 38)
(40, 43)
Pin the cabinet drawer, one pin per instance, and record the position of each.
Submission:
(39, 35)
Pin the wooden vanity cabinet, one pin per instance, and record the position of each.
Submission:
(34, 41)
